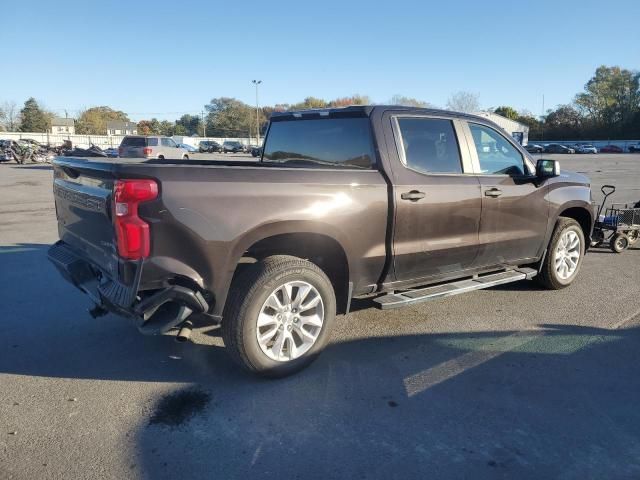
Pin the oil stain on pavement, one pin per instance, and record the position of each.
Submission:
(177, 408)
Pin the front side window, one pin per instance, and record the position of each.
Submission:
(331, 142)
(496, 155)
(430, 145)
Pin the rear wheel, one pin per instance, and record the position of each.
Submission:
(564, 255)
(619, 243)
(185, 157)
(278, 316)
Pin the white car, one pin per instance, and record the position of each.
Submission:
(587, 149)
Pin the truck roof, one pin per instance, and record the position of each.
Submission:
(367, 110)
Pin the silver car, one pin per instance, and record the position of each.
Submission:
(138, 146)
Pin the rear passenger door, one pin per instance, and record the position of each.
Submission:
(515, 209)
(437, 202)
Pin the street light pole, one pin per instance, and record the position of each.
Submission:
(256, 83)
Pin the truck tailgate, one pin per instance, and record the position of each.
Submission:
(83, 209)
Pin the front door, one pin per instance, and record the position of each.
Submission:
(437, 201)
(515, 209)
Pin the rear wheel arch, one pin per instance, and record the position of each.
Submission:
(320, 249)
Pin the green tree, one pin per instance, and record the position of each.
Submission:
(229, 117)
(34, 118)
(180, 130)
(310, 103)
(94, 120)
(189, 125)
(565, 122)
(167, 128)
(612, 95)
(508, 112)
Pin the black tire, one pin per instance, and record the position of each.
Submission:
(548, 277)
(160, 157)
(185, 157)
(634, 237)
(619, 243)
(249, 292)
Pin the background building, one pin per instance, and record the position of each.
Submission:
(63, 125)
(517, 130)
(122, 128)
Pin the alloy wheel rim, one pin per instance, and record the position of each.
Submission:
(290, 321)
(567, 254)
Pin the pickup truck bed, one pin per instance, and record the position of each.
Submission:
(343, 202)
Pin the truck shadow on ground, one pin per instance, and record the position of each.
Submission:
(558, 400)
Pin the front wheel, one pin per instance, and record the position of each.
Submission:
(633, 236)
(564, 255)
(278, 316)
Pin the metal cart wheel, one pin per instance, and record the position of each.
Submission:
(619, 242)
(634, 237)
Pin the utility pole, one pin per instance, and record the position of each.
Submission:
(256, 83)
(204, 125)
(542, 119)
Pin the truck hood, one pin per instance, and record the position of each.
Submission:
(574, 177)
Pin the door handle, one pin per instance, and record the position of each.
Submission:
(413, 195)
(493, 192)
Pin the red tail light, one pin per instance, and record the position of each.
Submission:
(147, 150)
(132, 233)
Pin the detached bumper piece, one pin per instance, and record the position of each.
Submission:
(155, 314)
(409, 297)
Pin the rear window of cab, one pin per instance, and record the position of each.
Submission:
(134, 142)
(323, 142)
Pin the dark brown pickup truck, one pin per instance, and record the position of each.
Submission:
(400, 204)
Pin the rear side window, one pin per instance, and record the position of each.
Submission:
(152, 142)
(331, 142)
(495, 154)
(133, 142)
(430, 145)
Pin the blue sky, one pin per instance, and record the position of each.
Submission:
(164, 58)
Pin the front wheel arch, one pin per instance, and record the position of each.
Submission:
(582, 216)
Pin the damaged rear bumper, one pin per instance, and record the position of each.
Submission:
(155, 312)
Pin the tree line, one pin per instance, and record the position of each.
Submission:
(607, 108)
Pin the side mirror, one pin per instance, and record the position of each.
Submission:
(547, 168)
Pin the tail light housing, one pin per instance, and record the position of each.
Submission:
(132, 232)
(147, 150)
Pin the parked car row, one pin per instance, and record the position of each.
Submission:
(229, 146)
(578, 148)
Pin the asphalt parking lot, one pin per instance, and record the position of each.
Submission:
(509, 382)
